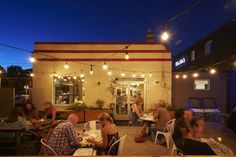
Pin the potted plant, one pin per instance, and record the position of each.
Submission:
(100, 103)
(78, 108)
(93, 111)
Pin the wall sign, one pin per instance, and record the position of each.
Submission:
(180, 61)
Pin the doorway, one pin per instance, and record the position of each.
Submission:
(126, 94)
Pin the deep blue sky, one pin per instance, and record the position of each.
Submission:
(24, 22)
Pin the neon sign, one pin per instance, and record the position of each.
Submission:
(180, 61)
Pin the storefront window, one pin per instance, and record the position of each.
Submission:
(202, 84)
(68, 90)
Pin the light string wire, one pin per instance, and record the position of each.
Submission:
(157, 27)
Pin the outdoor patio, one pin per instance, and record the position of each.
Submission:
(213, 130)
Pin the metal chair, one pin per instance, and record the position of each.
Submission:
(46, 146)
(167, 132)
(121, 145)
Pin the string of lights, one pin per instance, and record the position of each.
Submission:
(164, 36)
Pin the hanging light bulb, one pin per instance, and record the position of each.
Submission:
(143, 75)
(123, 74)
(31, 75)
(109, 72)
(133, 75)
(177, 76)
(165, 36)
(81, 74)
(74, 77)
(150, 74)
(126, 54)
(69, 78)
(184, 76)
(105, 66)
(195, 75)
(91, 70)
(32, 59)
(213, 71)
(66, 66)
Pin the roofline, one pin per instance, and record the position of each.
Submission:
(133, 43)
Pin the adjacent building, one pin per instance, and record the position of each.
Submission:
(207, 69)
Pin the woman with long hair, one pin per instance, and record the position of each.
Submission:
(109, 135)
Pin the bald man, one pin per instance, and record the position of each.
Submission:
(64, 139)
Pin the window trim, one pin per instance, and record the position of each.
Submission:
(193, 58)
(206, 47)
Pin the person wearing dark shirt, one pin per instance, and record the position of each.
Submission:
(181, 114)
(109, 136)
(188, 145)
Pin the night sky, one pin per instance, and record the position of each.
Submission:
(24, 22)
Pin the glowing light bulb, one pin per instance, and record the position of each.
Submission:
(123, 74)
(31, 75)
(165, 36)
(195, 75)
(109, 72)
(219, 139)
(176, 76)
(91, 70)
(143, 75)
(66, 66)
(126, 55)
(105, 66)
(184, 76)
(150, 74)
(133, 75)
(213, 71)
(74, 77)
(32, 59)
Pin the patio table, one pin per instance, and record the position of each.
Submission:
(17, 135)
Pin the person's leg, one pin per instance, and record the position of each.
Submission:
(143, 129)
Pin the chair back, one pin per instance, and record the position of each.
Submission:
(46, 146)
(90, 124)
(170, 125)
(121, 145)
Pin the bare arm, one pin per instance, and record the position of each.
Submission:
(104, 142)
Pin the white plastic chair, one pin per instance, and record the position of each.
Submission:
(45, 145)
(90, 124)
(167, 132)
(121, 145)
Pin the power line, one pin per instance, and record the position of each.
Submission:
(181, 13)
(17, 48)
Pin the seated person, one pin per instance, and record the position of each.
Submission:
(30, 111)
(231, 122)
(181, 114)
(198, 127)
(188, 145)
(136, 112)
(50, 111)
(16, 117)
(109, 135)
(64, 139)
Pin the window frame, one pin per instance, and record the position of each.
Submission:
(207, 49)
(209, 84)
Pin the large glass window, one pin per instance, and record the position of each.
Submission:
(202, 84)
(68, 90)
